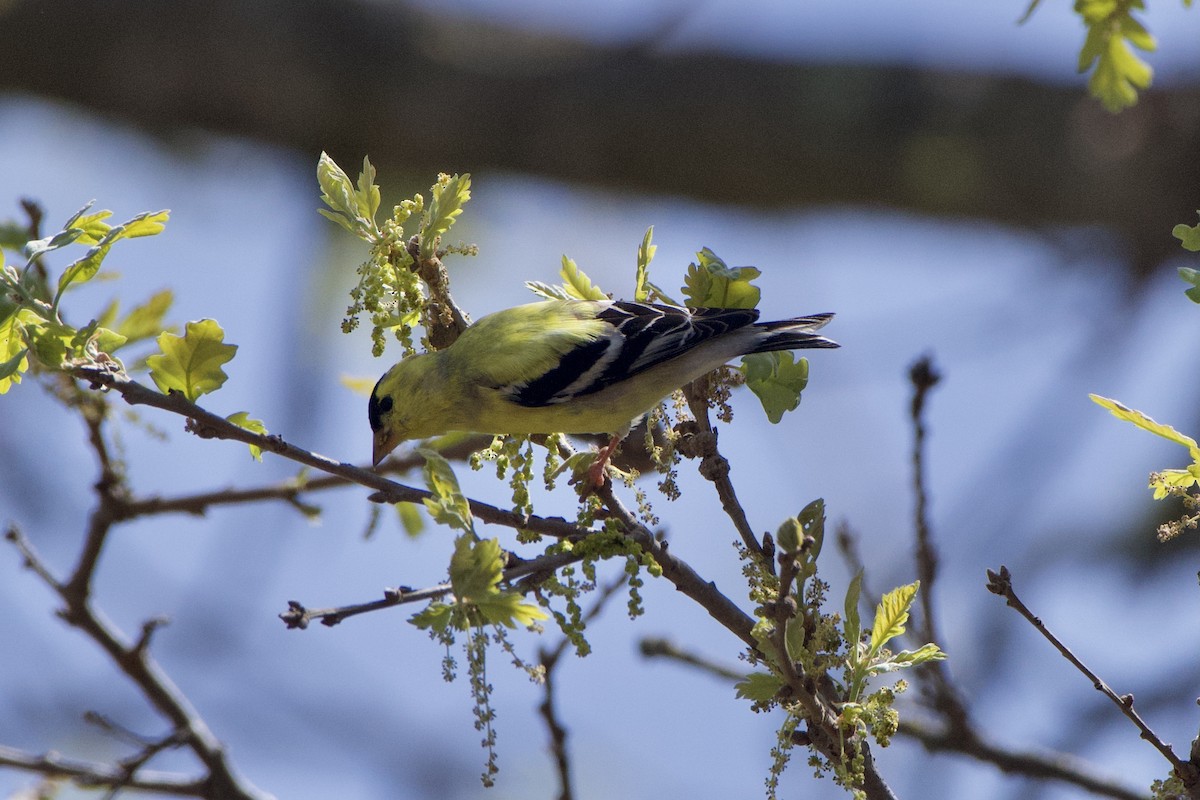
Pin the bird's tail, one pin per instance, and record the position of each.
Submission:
(792, 334)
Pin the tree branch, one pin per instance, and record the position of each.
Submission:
(90, 774)
(1188, 772)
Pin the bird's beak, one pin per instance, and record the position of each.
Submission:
(382, 445)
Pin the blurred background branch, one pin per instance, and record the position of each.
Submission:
(432, 92)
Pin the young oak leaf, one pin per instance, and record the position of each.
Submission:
(83, 269)
(891, 615)
(353, 206)
(1147, 424)
(709, 283)
(191, 364)
(1188, 236)
(776, 379)
(476, 569)
(645, 254)
(577, 284)
(448, 505)
(242, 420)
(759, 687)
(450, 194)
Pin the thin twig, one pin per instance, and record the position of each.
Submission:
(133, 658)
(940, 691)
(653, 647)
(297, 616)
(1025, 763)
(1001, 583)
(702, 444)
(924, 377)
(549, 658)
(222, 781)
(90, 774)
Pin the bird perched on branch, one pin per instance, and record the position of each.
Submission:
(571, 366)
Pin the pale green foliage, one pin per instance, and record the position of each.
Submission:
(353, 206)
(800, 640)
(191, 364)
(242, 420)
(390, 289)
(576, 285)
(777, 378)
(870, 658)
(710, 283)
(33, 331)
(450, 194)
(645, 254)
(1117, 72)
(1189, 238)
(1176, 482)
(1111, 29)
(448, 505)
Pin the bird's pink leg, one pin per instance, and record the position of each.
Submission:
(596, 473)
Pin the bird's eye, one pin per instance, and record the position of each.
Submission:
(385, 403)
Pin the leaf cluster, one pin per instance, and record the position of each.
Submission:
(403, 272)
(1177, 482)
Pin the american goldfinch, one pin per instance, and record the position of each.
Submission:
(575, 366)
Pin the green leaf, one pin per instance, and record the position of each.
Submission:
(788, 536)
(436, 616)
(759, 687)
(146, 320)
(13, 350)
(793, 638)
(577, 284)
(50, 341)
(83, 269)
(645, 254)
(353, 206)
(776, 379)
(476, 569)
(10, 370)
(366, 193)
(853, 625)
(547, 291)
(891, 615)
(191, 364)
(1192, 276)
(92, 227)
(1118, 73)
(1145, 423)
(913, 658)
(448, 505)
(1188, 236)
(711, 284)
(812, 523)
(450, 194)
(1166, 479)
(242, 420)
(410, 518)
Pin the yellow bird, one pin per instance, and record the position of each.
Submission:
(571, 366)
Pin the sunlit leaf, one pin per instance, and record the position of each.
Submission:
(450, 194)
(577, 284)
(891, 615)
(777, 379)
(758, 686)
(710, 283)
(191, 364)
(242, 420)
(448, 505)
(1147, 424)
(645, 254)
